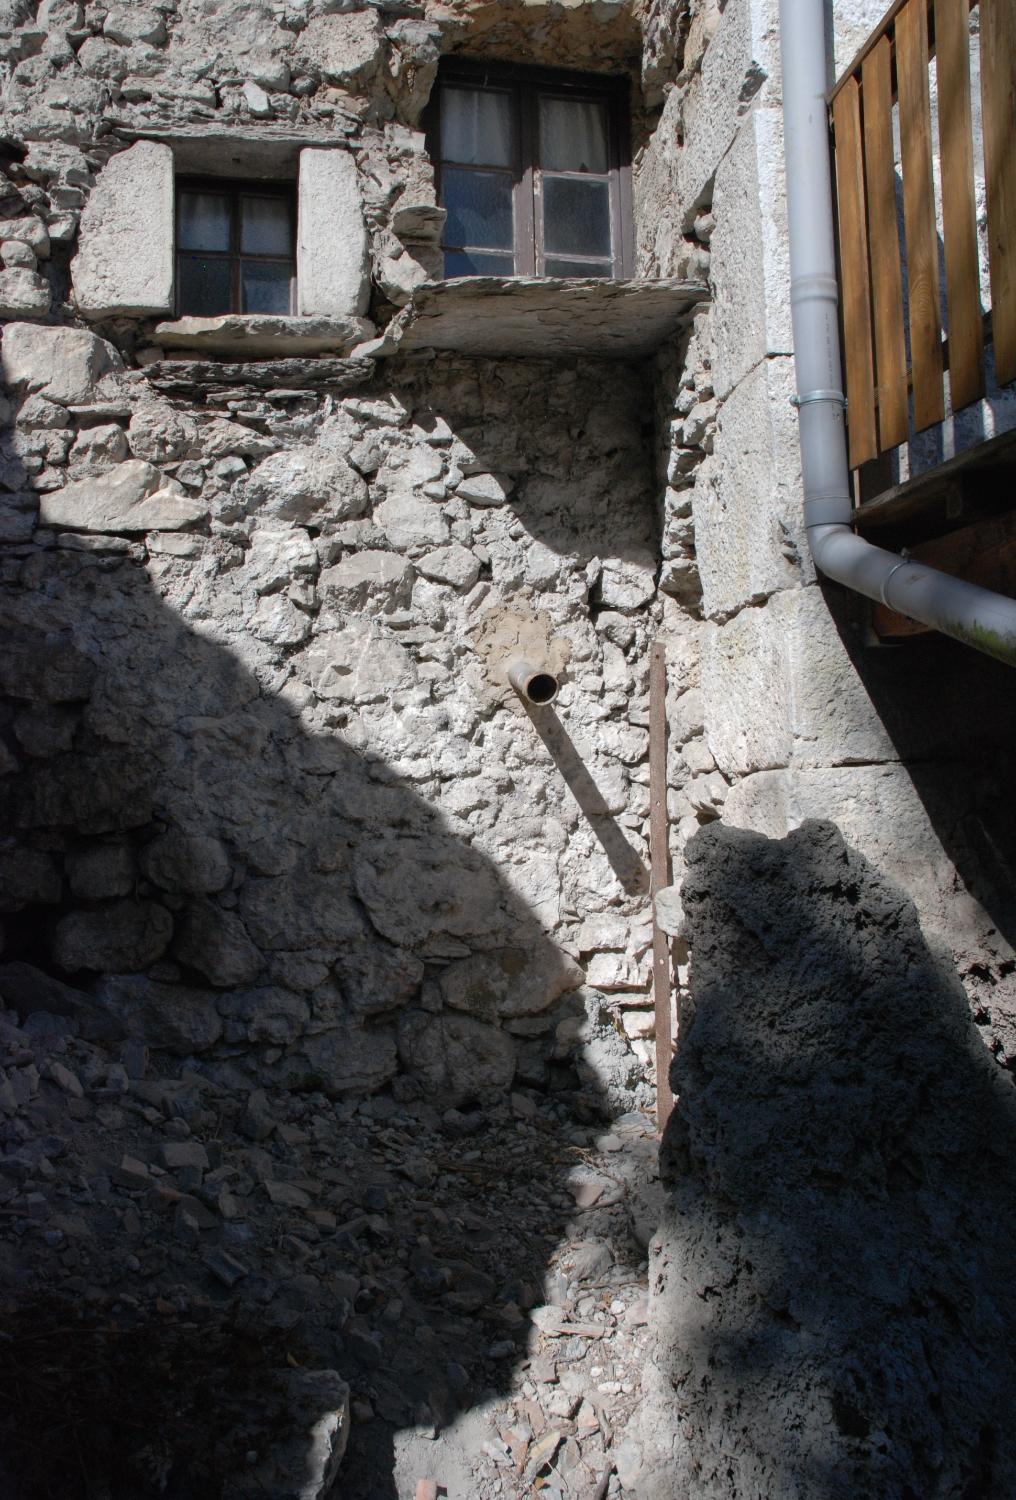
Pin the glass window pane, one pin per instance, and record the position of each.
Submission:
(265, 286)
(203, 286)
(479, 208)
(476, 126)
(265, 226)
(576, 216)
(573, 135)
(469, 263)
(578, 268)
(204, 221)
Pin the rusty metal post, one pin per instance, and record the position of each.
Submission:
(659, 844)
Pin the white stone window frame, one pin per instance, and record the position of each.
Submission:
(125, 264)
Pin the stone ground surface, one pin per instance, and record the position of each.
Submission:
(477, 1277)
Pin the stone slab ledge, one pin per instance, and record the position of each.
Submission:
(253, 335)
(541, 317)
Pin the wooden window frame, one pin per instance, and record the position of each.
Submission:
(525, 85)
(233, 189)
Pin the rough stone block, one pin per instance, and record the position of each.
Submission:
(780, 690)
(741, 65)
(343, 49)
(63, 364)
(880, 813)
(457, 1057)
(383, 577)
(30, 231)
(23, 294)
(306, 484)
(127, 498)
(332, 252)
(116, 939)
(124, 264)
(215, 942)
(750, 252)
(749, 533)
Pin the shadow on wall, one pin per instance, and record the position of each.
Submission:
(834, 1296)
(234, 933)
(951, 714)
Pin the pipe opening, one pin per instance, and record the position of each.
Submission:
(534, 684)
(542, 688)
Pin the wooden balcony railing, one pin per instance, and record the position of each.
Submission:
(883, 121)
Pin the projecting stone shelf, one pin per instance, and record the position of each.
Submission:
(254, 335)
(541, 317)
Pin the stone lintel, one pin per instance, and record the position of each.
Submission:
(541, 317)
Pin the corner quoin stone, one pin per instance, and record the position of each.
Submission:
(125, 261)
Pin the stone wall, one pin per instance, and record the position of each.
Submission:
(830, 1275)
(791, 714)
(284, 859)
(282, 848)
(288, 746)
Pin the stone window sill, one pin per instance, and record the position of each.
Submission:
(255, 336)
(540, 317)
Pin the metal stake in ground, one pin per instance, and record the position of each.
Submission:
(659, 844)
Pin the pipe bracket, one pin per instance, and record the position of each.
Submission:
(819, 395)
(884, 590)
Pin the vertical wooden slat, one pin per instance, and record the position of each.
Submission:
(659, 846)
(887, 286)
(853, 229)
(912, 63)
(998, 109)
(959, 209)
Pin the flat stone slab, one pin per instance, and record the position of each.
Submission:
(253, 335)
(539, 316)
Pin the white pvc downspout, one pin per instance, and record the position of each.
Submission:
(974, 615)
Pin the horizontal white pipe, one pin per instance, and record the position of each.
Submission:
(968, 613)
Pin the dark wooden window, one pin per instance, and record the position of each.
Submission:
(533, 168)
(234, 248)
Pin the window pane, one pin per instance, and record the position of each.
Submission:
(576, 216)
(203, 286)
(265, 286)
(265, 226)
(476, 126)
(577, 268)
(479, 208)
(573, 135)
(468, 263)
(204, 221)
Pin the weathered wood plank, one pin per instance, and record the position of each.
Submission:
(912, 62)
(959, 212)
(659, 844)
(886, 278)
(853, 229)
(906, 503)
(998, 110)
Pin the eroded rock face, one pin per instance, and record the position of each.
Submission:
(838, 1171)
